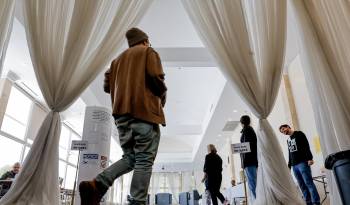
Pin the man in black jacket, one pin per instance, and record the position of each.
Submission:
(250, 159)
(300, 159)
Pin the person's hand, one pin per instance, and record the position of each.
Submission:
(310, 162)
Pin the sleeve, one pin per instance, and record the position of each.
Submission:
(155, 75)
(289, 164)
(251, 138)
(205, 168)
(306, 146)
(106, 87)
(254, 139)
(4, 176)
(289, 157)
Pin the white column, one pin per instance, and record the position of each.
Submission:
(97, 131)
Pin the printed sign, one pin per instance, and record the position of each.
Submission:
(79, 145)
(90, 159)
(292, 145)
(240, 147)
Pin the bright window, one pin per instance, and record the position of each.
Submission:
(73, 154)
(10, 151)
(73, 157)
(64, 138)
(64, 142)
(70, 177)
(62, 170)
(16, 114)
(115, 151)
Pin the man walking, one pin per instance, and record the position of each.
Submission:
(300, 158)
(135, 82)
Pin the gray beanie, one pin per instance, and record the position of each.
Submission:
(135, 36)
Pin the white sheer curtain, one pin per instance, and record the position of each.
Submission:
(324, 28)
(7, 10)
(186, 181)
(174, 182)
(155, 186)
(70, 42)
(247, 38)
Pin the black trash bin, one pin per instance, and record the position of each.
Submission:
(340, 164)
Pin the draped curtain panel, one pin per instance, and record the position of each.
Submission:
(70, 42)
(7, 10)
(324, 28)
(247, 38)
(174, 182)
(154, 186)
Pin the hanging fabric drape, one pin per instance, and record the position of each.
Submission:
(324, 28)
(155, 186)
(7, 12)
(186, 181)
(70, 42)
(173, 179)
(247, 38)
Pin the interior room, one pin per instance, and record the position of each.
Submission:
(276, 61)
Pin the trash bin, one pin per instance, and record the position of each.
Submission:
(340, 164)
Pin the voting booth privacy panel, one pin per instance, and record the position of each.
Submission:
(163, 199)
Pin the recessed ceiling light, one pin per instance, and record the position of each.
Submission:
(235, 111)
(219, 135)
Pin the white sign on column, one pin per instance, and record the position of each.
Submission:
(97, 132)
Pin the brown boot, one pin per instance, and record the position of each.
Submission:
(91, 192)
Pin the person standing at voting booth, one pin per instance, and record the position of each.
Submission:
(249, 159)
(135, 82)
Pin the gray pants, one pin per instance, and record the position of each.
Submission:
(139, 141)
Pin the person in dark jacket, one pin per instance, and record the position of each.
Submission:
(300, 159)
(212, 173)
(9, 175)
(12, 173)
(249, 159)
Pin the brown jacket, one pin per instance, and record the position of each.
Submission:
(135, 82)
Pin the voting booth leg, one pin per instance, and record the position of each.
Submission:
(245, 189)
(75, 180)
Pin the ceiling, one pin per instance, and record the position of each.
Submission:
(200, 101)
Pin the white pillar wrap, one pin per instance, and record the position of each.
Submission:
(97, 131)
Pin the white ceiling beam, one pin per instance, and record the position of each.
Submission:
(186, 57)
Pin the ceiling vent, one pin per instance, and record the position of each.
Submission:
(230, 126)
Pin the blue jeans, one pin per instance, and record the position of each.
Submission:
(250, 172)
(302, 173)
